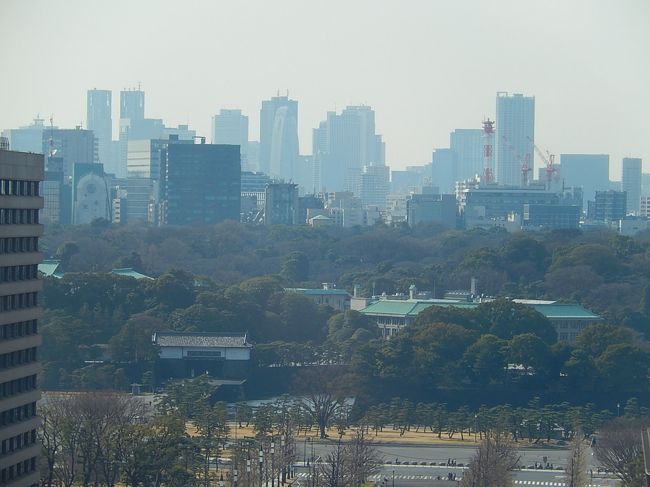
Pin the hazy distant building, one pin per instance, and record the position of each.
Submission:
(631, 183)
(99, 119)
(645, 184)
(143, 175)
(431, 208)
(515, 133)
(52, 193)
(20, 175)
(467, 145)
(90, 194)
(278, 136)
(374, 185)
(588, 171)
(132, 105)
(496, 202)
(69, 147)
(28, 138)
(443, 169)
(231, 127)
(309, 202)
(200, 184)
(281, 205)
(405, 182)
(343, 145)
(134, 126)
(551, 217)
(609, 206)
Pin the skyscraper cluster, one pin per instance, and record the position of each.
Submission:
(151, 172)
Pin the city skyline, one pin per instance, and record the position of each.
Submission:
(396, 69)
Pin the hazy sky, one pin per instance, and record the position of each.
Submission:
(425, 66)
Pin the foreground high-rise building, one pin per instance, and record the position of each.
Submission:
(99, 120)
(20, 174)
(200, 184)
(278, 137)
(515, 133)
(631, 183)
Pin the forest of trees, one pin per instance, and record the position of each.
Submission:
(231, 277)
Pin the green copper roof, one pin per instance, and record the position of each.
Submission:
(49, 268)
(128, 272)
(409, 308)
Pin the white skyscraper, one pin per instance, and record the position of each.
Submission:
(278, 136)
(515, 133)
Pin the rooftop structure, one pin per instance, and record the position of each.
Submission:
(129, 272)
(393, 315)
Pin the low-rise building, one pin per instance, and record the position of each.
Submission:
(339, 299)
(393, 315)
(221, 355)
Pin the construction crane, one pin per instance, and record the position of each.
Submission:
(488, 135)
(549, 162)
(525, 163)
(52, 150)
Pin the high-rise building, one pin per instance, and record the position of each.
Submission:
(515, 133)
(631, 183)
(132, 104)
(588, 171)
(231, 127)
(20, 175)
(133, 126)
(431, 208)
(143, 174)
(63, 148)
(281, 204)
(609, 206)
(200, 184)
(374, 185)
(344, 144)
(28, 138)
(467, 145)
(99, 120)
(278, 136)
(443, 169)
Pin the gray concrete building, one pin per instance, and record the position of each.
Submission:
(20, 176)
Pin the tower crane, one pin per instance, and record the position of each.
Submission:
(549, 161)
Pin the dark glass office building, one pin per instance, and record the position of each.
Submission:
(200, 184)
(20, 202)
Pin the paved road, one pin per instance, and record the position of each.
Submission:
(419, 476)
(436, 453)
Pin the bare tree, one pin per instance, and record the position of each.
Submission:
(331, 472)
(576, 467)
(363, 460)
(618, 449)
(324, 394)
(491, 465)
(82, 435)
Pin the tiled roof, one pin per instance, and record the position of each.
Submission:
(388, 307)
(205, 340)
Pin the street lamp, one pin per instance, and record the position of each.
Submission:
(272, 462)
(618, 409)
(475, 426)
(261, 459)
